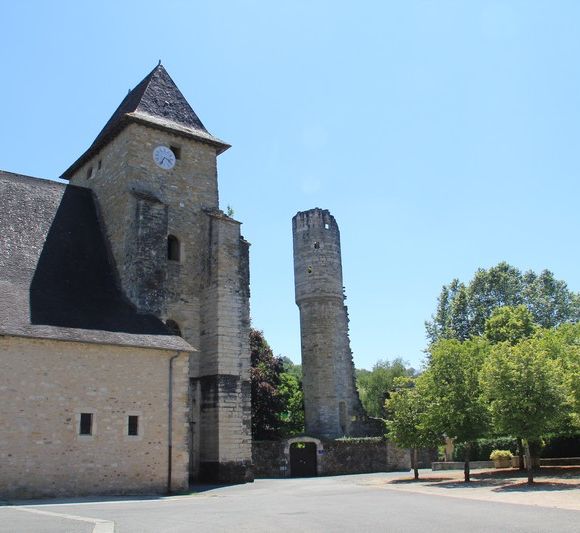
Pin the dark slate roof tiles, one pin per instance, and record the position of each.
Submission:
(155, 101)
(56, 279)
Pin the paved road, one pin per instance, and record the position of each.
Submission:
(342, 503)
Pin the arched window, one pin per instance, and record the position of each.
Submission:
(173, 327)
(173, 251)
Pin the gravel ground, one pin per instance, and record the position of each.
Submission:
(557, 487)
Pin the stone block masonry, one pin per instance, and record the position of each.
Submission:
(46, 385)
(331, 402)
(205, 292)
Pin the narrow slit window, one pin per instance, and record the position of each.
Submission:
(86, 424)
(173, 251)
(89, 172)
(133, 425)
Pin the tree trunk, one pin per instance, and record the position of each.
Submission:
(466, 465)
(528, 461)
(521, 453)
(415, 465)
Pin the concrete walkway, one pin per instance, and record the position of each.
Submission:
(556, 487)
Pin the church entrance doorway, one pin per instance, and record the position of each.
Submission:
(303, 459)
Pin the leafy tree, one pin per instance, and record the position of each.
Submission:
(509, 324)
(292, 368)
(525, 390)
(290, 392)
(562, 345)
(462, 310)
(277, 398)
(451, 382)
(374, 386)
(267, 404)
(407, 408)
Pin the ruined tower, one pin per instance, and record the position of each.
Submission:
(331, 401)
(153, 170)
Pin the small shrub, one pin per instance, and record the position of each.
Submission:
(482, 448)
(498, 455)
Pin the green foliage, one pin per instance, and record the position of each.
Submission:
(277, 398)
(498, 455)
(374, 386)
(563, 346)
(462, 310)
(292, 417)
(291, 368)
(451, 382)
(265, 380)
(481, 449)
(407, 408)
(509, 324)
(525, 389)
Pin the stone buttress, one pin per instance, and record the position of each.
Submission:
(180, 258)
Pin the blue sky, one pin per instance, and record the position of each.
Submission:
(443, 136)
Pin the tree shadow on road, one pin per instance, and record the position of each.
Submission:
(537, 486)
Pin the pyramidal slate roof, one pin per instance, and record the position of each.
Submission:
(155, 101)
(56, 277)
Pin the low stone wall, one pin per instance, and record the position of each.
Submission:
(269, 460)
(459, 465)
(334, 457)
(560, 461)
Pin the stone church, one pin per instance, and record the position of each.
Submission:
(124, 313)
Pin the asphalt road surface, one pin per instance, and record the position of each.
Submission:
(329, 504)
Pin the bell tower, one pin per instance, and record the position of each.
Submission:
(153, 169)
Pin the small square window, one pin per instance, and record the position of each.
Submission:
(86, 424)
(133, 425)
(176, 151)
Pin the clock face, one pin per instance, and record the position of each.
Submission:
(164, 157)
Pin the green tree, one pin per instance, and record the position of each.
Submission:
(292, 417)
(374, 385)
(562, 345)
(267, 404)
(525, 390)
(509, 324)
(451, 381)
(407, 408)
(462, 310)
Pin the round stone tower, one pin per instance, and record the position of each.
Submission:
(332, 405)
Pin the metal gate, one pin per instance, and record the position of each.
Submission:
(303, 459)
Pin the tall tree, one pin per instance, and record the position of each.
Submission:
(526, 391)
(292, 417)
(374, 385)
(267, 404)
(451, 381)
(407, 425)
(462, 310)
(509, 324)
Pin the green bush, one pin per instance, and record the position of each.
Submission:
(498, 455)
(482, 448)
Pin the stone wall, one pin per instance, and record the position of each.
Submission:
(331, 402)
(335, 457)
(46, 385)
(206, 292)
